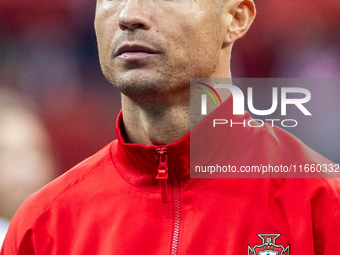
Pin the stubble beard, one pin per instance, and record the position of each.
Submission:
(157, 86)
(171, 79)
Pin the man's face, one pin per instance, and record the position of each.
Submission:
(149, 48)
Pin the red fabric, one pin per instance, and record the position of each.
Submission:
(111, 204)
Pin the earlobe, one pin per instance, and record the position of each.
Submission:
(241, 19)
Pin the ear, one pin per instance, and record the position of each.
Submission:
(241, 16)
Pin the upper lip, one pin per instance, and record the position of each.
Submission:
(134, 48)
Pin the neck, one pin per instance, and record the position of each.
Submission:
(155, 123)
(161, 123)
(165, 121)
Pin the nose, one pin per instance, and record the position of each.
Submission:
(134, 16)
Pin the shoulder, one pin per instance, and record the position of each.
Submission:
(69, 180)
(291, 147)
(321, 188)
(314, 172)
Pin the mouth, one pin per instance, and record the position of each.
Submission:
(132, 52)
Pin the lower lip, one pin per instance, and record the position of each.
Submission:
(131, 56)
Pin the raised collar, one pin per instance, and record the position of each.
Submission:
(138, 163)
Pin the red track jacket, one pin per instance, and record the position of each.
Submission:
(111, 203)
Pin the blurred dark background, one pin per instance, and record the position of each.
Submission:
(48, 54)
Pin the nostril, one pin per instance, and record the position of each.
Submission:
(131, 26)
(138, 25)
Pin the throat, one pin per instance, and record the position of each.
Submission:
(155, 124)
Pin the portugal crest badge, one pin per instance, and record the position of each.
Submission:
(268, 246)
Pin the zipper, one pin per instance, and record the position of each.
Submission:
(162, 173)
(176, 211)
(162, 176)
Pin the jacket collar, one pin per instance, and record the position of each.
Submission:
(138, 163)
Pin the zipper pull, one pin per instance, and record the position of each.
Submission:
(162, 175)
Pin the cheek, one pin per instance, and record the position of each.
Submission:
(181, 43)
(106, 26)
(208, 40)
(197, 44)
(195, 32)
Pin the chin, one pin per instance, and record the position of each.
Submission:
(149, 86)
(141, 88)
